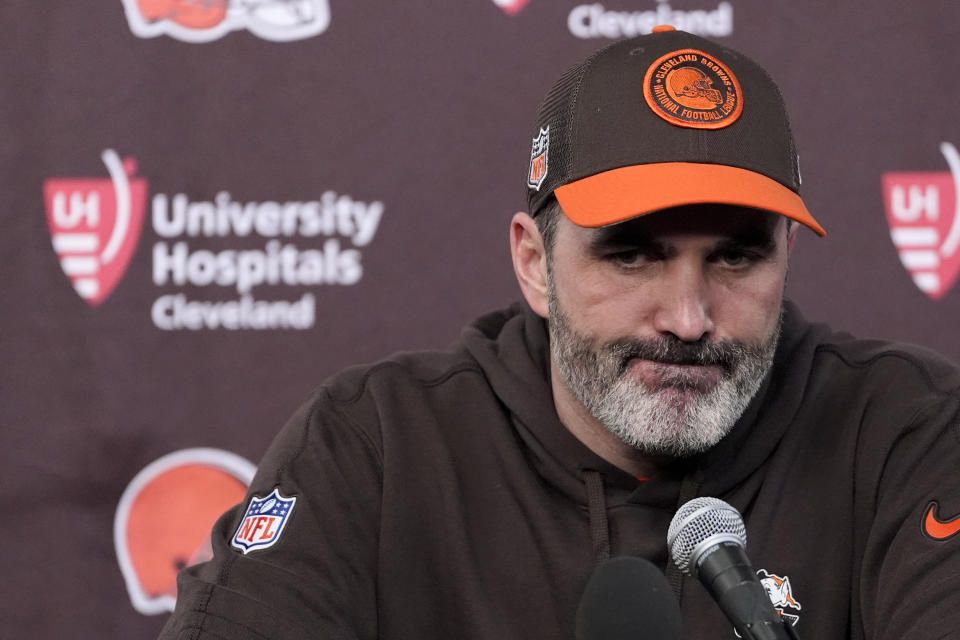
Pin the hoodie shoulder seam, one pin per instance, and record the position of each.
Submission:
(913, 361)
(463, 367)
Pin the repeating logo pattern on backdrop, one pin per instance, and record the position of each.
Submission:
(95, 225)
(923, 212)
(164, 518)
(206, 20)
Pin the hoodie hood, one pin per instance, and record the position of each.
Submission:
(512, 348)
(768, 416)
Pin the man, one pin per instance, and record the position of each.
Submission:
(470, 493)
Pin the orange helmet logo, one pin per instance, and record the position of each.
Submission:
(207, 20)
(163, 521)
(193, 14)
(691, 87)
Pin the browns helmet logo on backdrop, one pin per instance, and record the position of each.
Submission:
(193, 21)
(923, 212)
(95, 225)
(164, 518)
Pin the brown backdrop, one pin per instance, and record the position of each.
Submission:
(341, 174)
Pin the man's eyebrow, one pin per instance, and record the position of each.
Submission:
(752, 236)
(612, 237)
(603, 239)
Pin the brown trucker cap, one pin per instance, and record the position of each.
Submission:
(659, 121)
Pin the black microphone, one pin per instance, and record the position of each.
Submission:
(706, 540)
(628, 599)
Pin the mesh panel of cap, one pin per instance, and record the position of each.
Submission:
(698, 520)
(555, 113)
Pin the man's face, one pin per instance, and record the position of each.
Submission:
(663, 327)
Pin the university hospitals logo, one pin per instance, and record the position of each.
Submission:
(164, 518)
(206, 20)
(923, 212)
(95, 225)
(282, 246)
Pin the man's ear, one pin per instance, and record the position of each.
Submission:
(529, 261)
(791, 237)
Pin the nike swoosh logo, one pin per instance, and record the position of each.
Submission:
(937, 528)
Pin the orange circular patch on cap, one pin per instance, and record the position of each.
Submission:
(691, 88)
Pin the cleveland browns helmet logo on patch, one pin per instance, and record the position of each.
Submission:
(690, 88)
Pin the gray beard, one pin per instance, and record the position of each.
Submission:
(651, 420)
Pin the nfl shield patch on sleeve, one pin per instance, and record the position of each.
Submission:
(263, 522)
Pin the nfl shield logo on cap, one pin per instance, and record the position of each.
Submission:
(263, 522)
(539, 153)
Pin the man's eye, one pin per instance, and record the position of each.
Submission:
(629, 258)
(737, 258)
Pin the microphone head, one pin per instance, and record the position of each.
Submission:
(628, 598)
(698, 525)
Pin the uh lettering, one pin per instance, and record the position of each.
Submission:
(82, 208)
(908, 204)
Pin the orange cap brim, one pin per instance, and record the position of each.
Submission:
(620, 194)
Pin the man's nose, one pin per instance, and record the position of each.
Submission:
(684, 307)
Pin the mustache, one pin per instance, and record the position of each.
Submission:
(672, 350)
